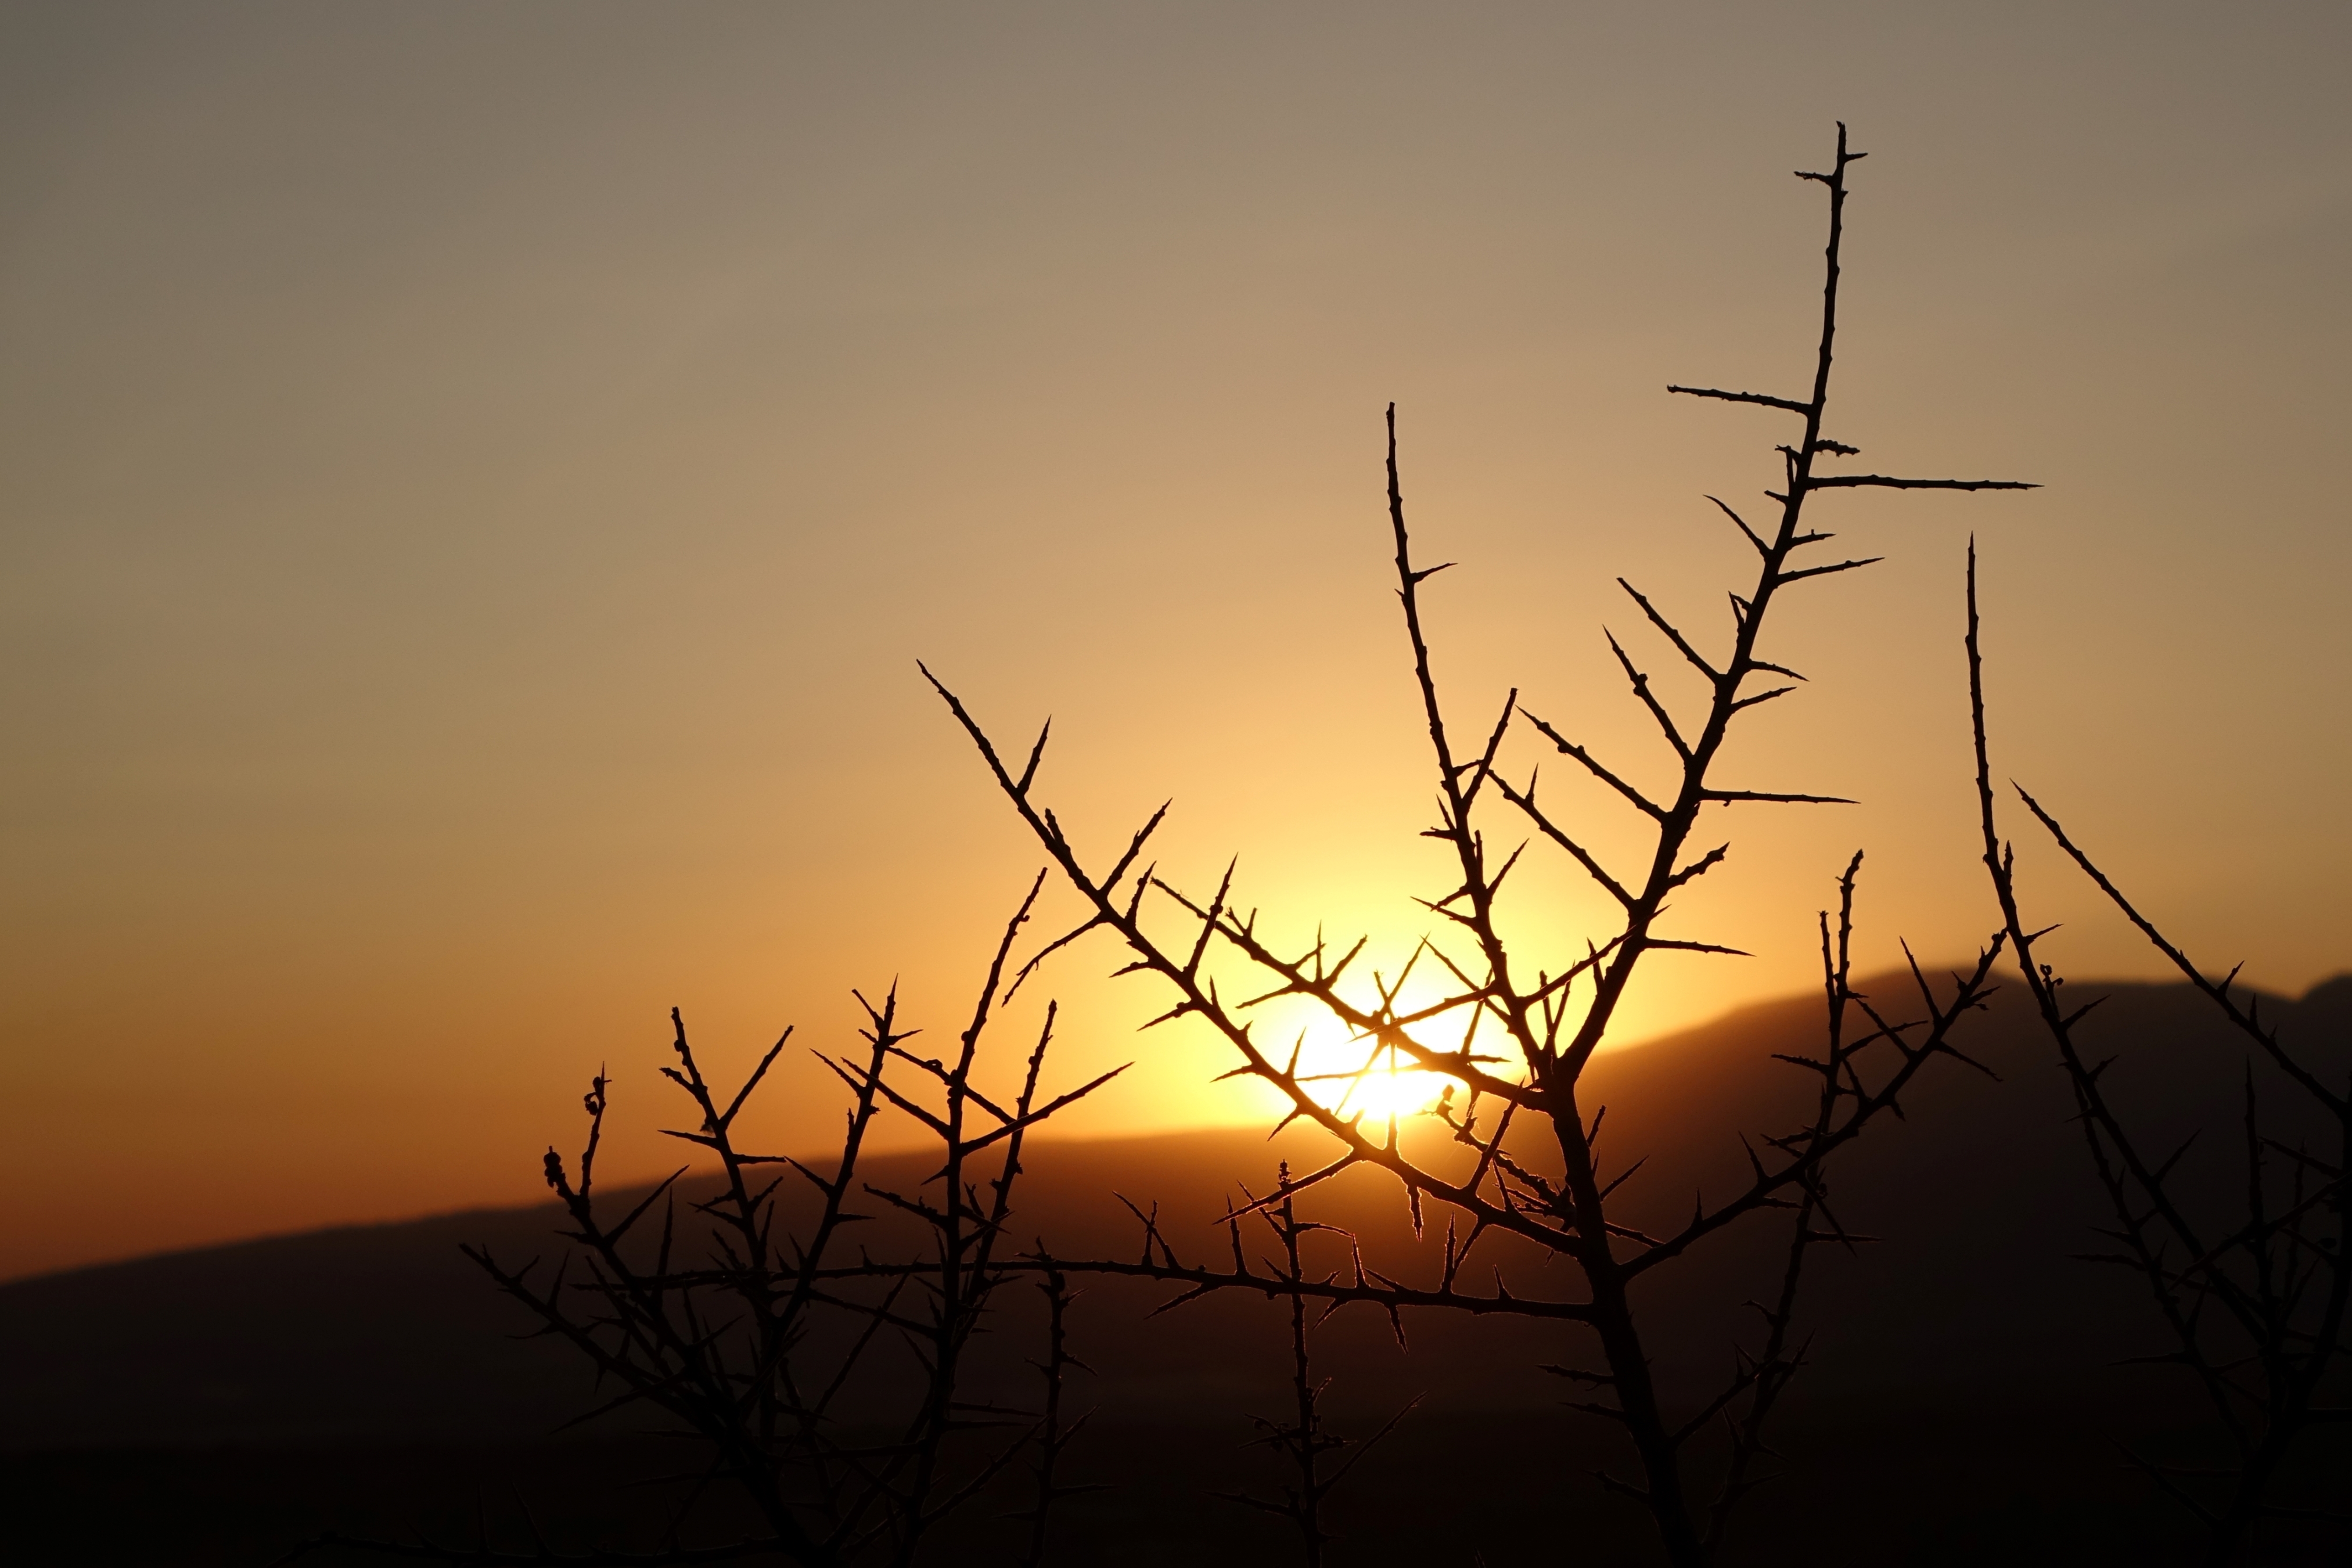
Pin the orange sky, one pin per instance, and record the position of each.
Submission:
(475, 481)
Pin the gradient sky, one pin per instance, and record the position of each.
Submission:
(477, 478)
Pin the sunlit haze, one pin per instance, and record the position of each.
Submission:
(477, 480)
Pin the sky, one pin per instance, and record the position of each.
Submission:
(476, 480)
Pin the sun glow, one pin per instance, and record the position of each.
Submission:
(1384, 1092)
(1355, 1074)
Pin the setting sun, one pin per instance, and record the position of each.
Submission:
(1353, 1074)
(1370, 1080)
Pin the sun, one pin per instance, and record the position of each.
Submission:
(1384, 1092)
(1352, 1075)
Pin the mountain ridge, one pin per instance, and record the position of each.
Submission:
(385, 1329)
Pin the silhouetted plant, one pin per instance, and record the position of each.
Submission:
(1303, 1440)
(1552, 1022)
(768, 1346)
(2253, 1297)
(1054, 1432)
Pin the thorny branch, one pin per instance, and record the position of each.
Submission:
(750, 1348)
(1541, 1027)
(2254, 1305)
(1303, 1440)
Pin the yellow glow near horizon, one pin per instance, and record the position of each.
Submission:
(1345, 1070)
(1352, 1073)
(1375, 1081)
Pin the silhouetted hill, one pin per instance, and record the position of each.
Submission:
(1967, 1326)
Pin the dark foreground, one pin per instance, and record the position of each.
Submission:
(1912, 1488)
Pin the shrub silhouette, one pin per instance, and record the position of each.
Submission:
(832, 1387)
(1541, 1021)
(2252, 1291)
(823, 1382)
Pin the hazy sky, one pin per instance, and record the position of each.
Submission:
(477, 478)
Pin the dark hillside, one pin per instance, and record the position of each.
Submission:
(1961, 1395)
